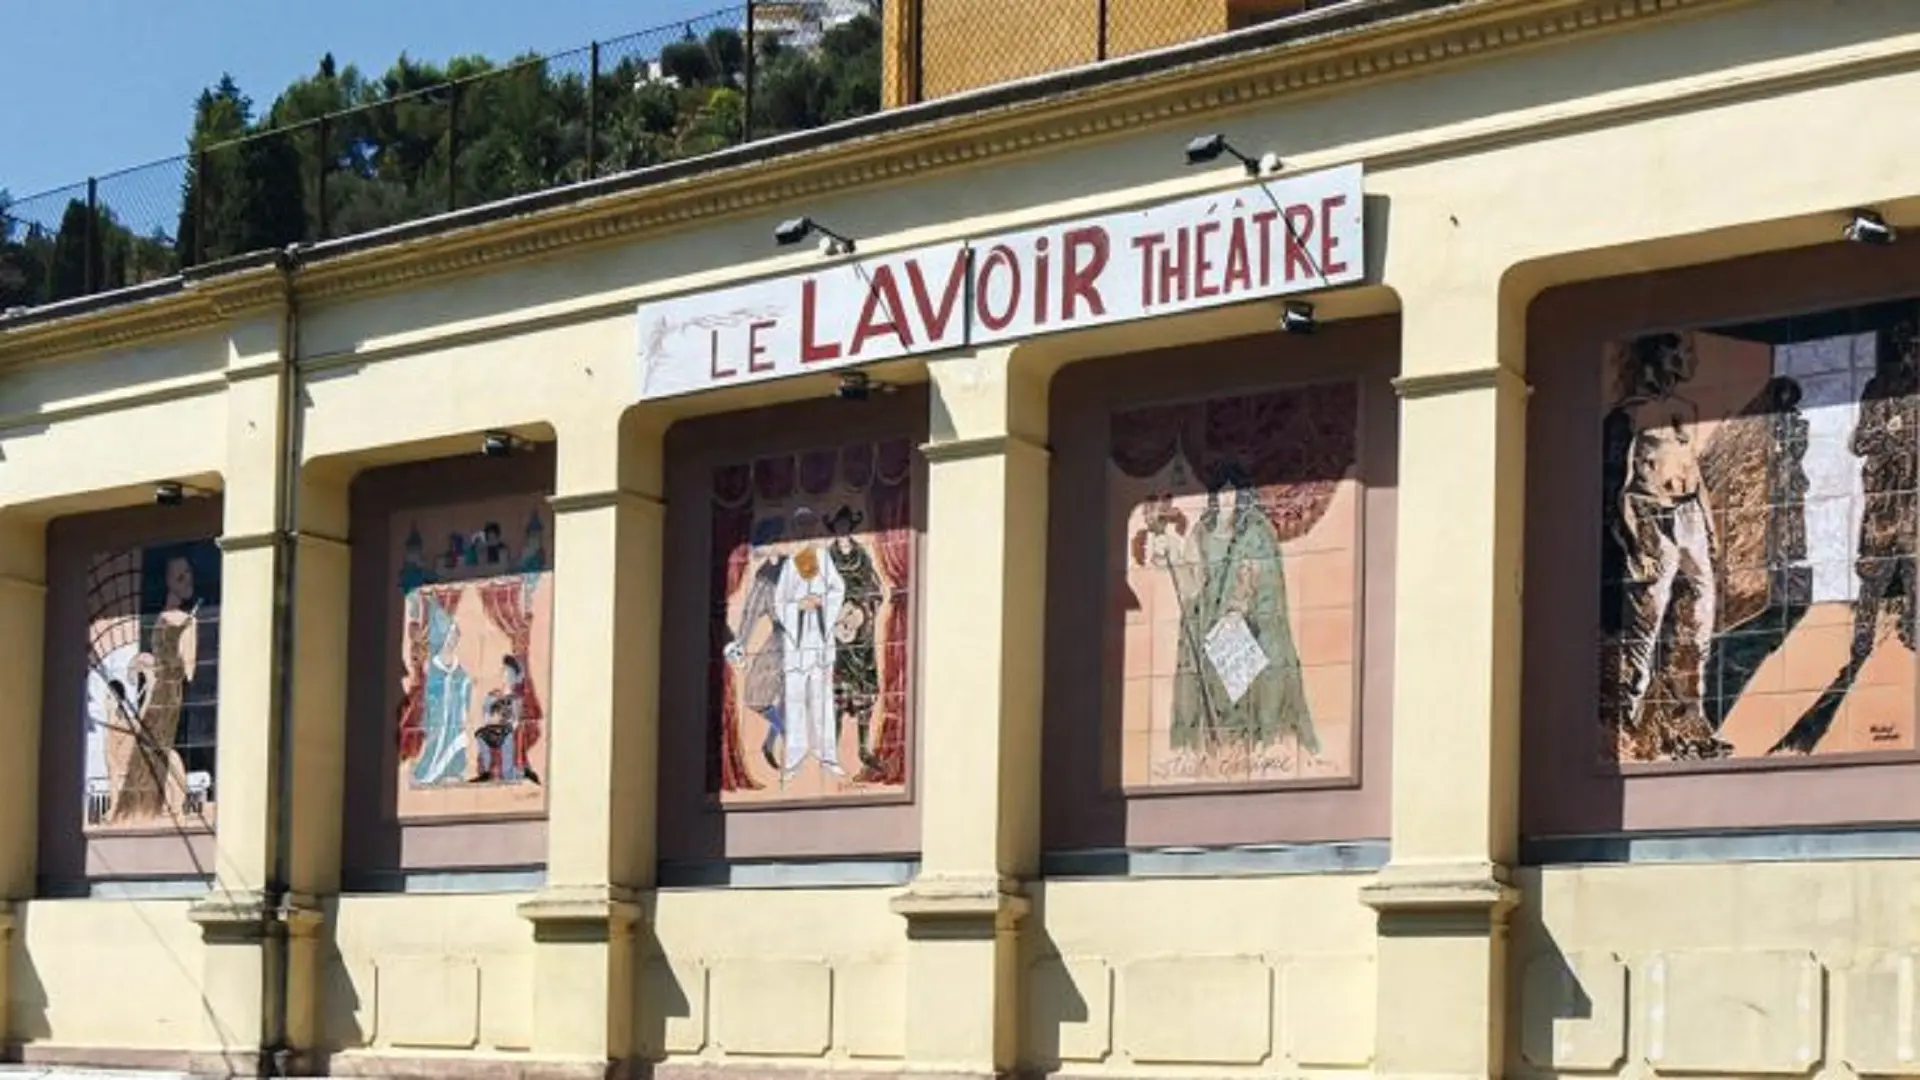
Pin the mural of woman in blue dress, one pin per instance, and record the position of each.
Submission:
(449, 692)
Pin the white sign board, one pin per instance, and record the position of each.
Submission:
(1263, 240)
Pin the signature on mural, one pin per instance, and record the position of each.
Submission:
(1759, 519)
(474, 620)
(151, 684)
(813, 632)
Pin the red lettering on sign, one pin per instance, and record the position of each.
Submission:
(713, 343)
(1081, 280)
(1001, 255)
(812, 352)
(1264, 221)
(1175, 266)
(881, 292)
(935, 322)
(1041, 281)
(1147, 244)
(1203, 266)
(1299, 234)
(1239, 275)
(755, 347)
(1329, 263)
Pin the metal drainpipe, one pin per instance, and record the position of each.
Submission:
(276, 1051)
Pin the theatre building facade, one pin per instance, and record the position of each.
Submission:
(1381, 543)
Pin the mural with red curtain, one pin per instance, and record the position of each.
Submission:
(413, 730)
(874, 481)
(509, 607)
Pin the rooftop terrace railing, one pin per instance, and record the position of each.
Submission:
(413, 145)
(415, 151)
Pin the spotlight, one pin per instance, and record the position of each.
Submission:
(1297, 318)
(1208, 148)
(789, 233)
(501, 444)
(169, 493)
(1868, 227)
(859, 386)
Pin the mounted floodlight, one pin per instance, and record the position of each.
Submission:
(1209, 148)
(793, 232)
(1868, 227)
(859, 386)
(502, 444)
(1297, 318)
(173, 492)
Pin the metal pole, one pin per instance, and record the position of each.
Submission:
(453, 146)
(91, 237)
(593, 110)
(201, 180)
(320, 185)
(918, 9)
(753, 47)
(1101, 48)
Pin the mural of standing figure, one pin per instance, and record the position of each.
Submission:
(766, 683)
(449, 691)
(809, 597)
(1886, 439)
(1665, 527)
(856, 667)
(1229, 578)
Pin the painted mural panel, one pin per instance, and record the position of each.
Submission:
(1758, 543)
(1238, 601)
(811, 636)
(153, 664)
(473, 604)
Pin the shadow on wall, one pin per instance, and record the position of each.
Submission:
(1550, 1001)
(1054, 1005)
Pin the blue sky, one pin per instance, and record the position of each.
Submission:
(92, 86)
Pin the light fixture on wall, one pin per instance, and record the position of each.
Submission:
(798, 229)
(173, 493)
(859, 386)
(1868, 227)
(1208, 148)
(502, 444)
(1297, 318)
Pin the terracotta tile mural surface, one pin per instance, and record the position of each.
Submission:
(810, 670)
(474, 605)
(153, 666)
(1238, 594)
(1757, 594)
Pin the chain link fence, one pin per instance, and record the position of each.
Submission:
(651, 97)
(961, 45)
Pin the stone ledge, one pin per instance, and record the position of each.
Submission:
(252, 915)
(582, 912)
(947, 901)
(466, 1065)
(1442, 889)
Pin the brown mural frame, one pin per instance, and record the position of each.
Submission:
(68, 854)
(1080, 810)
(375, 841)
(1564, 791)
(694, 826)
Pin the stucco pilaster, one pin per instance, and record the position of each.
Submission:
(980, 712)
(608, 515)
(1443, 898)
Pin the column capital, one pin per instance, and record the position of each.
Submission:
(252, 915)
(596, 912)
(952, 900)
(1440, 383)
(984, 446)
(1442, 889)
(582, 501)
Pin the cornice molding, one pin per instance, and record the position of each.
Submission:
(1315, 65)
(193, 307)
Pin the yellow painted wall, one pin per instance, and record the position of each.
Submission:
(1578, 157)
